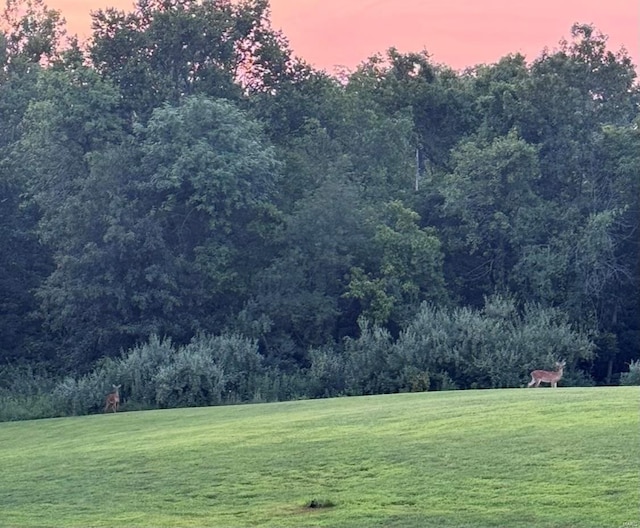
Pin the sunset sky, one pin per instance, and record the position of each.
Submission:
(459, 33)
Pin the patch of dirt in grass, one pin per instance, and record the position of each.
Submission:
(318, 504)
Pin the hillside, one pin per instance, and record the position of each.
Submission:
(517, 458)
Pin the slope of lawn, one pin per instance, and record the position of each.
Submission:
(566, 457)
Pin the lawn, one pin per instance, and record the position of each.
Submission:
(566, 457)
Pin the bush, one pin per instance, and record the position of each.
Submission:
(440, 349)
(633, 376)
(192, 379)
(279, 385)
(138, 369)
(84, 395)
(370, 367)
(490, 348)
(326, 376)
(210, 370)
(25, 394)
(238, 359)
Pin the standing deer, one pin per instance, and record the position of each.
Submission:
(113, 399)
(546, 376)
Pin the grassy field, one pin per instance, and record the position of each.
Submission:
(500, 458)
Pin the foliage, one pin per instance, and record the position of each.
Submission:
(25, 393)
(495, 347)
(633, 376)
(327, 374)
(407, 269)
(163, 51)
(401, 227)
(209, 370)
(33, 33)
(490, 195)
(144, 232)
(439, 349)
(369, 362)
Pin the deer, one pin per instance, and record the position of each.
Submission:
(546, 376)
(113, 399)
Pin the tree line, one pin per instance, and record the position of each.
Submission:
(183, 177)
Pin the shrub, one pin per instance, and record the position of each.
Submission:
(138, 369)
(238, 359)
(25, 393)
(207, 371)
(633, 376)
(80, 396)
(490, 348)
(369, 368)
(326, 376)
(191, 379)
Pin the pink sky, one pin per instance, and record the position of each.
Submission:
(459, 33)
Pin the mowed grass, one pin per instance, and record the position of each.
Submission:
(566, 457)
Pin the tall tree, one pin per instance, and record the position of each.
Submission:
(298, 300)
(571, 94)
(31, 35)
(158, 233)
(73, 115)
(404, 269)
(167, 49)
(435, 97)
(494, 213)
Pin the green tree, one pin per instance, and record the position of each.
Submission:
(572, 92)
(168, 49)
(73, 114)
(500, 95)
(609, 255)
(583, 100)
(405, 269)
(212, 175)
(155, 233)
(298, 301)
(494, 211)
(24, 264)
(436, 98)
(30, 34)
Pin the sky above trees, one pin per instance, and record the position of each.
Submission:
(459, 33)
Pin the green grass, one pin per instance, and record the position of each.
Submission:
(503, 458)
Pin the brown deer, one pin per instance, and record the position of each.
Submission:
(546, 376)
(113, 399)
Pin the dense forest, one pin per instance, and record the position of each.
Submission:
(191, 211)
